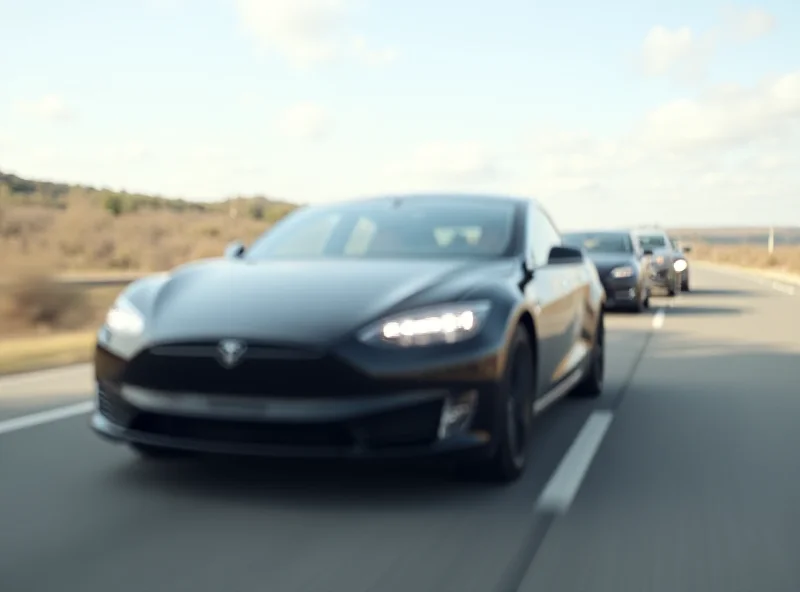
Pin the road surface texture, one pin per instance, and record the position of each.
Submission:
(683, 477)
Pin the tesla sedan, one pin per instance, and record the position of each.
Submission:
(392, 327)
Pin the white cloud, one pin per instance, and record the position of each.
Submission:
(447, 162)
(307, 31)
(727, 116)
(732, 149)
(305, 121)
(135, 152)
(362, 51)
(745, 25)
(685, 54)
(681, 52)
(51, 108)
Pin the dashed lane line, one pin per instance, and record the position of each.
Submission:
(44, 417)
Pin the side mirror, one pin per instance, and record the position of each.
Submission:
(564, 255)
(234, 250)
(648, 252)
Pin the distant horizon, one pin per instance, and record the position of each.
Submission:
(277, 199)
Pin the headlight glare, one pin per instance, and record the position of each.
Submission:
(680, 265)
(622, 272)
(124, 318)
(440, 324)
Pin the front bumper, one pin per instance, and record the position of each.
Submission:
(662, 277)
(621, 292)
(426, 418)
(466, 446)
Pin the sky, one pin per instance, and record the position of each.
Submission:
(609, 113)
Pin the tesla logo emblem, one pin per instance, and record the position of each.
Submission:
(230, 352)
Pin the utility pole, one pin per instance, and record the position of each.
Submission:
(771, 240)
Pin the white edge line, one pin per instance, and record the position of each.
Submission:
(43, 417)
(787, 287)
(564, 484)
(658, 318)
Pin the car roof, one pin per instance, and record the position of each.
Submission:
(600, 231)
(475, 198)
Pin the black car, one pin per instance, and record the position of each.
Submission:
(621, 264)
(382, 328)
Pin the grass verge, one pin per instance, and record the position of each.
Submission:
(27, 354)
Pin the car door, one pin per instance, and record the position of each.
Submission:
(550, 295)
(575, 282)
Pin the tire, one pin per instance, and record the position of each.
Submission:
(685, 283)
(510, 457)
(591, 386)
(641, 303)
(675, 288)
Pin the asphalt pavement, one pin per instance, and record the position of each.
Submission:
(683, 477)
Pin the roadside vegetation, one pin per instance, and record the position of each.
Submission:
(785, 258)
(49, 229)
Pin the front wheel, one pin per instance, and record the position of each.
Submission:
(642, 301)
(515, 421)
(675, 288)
(592, 384)
(685, 283)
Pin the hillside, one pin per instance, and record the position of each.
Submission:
(53, 226)
(61, 227)
(789, 235)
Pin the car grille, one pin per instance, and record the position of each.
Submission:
(263, 370)
(411, 426)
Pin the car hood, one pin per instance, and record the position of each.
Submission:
(605, 262)
(297, 302)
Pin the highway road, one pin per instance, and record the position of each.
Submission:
(683, 477)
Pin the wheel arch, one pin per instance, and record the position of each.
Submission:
(526, 321)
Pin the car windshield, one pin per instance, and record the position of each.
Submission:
(391, 229)
(599, 242)
(652, 241)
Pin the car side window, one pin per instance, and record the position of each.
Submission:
(542, 235)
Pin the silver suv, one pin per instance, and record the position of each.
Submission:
(668, 266)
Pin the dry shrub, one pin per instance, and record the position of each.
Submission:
(84, 237)
(38, 301)
(784, 258)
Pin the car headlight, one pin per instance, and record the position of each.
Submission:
(680, 265)
(447, 323)
(622, 272)
(124, 318)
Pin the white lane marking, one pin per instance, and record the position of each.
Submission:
(786, 289)
(566, 481)
(658, 318)
(43, 417)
